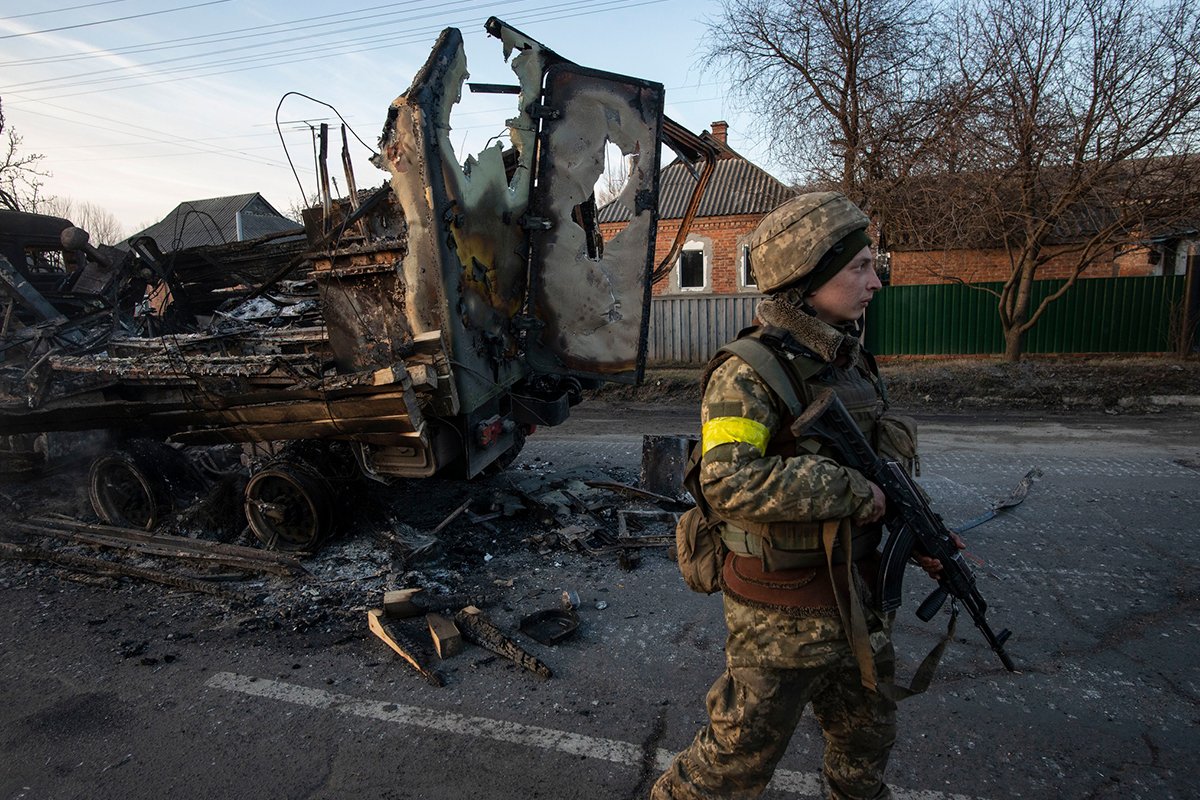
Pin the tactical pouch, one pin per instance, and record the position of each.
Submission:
(699, 551)
(897, 441)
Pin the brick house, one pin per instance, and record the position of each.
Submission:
(713, 259)
(925, 232)
(1167, 255)
(1138, 292)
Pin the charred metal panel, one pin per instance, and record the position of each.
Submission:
(363, 297)
(465, 268)
(364, 307)
(220, 399)
(593, 301)
(20, 230)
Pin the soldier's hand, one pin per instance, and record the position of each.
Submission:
(879, 505)
(934, 567)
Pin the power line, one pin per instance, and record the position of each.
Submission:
(72, 79)
(164, 44)
(126, 127)
(114, 19)
(161, 137)
(356, 46)
(144, 156)
(60, 10)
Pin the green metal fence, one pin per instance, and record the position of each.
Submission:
(1098, 315)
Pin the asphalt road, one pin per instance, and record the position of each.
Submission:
(1095, 574)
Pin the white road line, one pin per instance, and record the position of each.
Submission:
(804, 784)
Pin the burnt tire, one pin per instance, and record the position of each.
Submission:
(127, 489)
(289, 506)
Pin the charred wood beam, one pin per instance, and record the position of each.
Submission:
(161, 547)
(478, 629)
(453, 515)
(634, 491)
(116, 532)
(416, 654)
(176, 366)
(102, 567)
(415, 602)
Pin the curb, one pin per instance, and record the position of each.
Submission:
(1162, 400)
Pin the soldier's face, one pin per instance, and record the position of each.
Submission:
(845, 297)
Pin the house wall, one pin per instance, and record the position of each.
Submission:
(721, 238)
(980, 266)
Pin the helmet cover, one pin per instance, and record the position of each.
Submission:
(790, 241)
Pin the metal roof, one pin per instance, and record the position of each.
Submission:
(736, 187)
(214, 220)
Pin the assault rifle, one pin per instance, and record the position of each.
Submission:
(912, 525)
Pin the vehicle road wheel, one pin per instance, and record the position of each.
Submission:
(289, 506)
(124, 491)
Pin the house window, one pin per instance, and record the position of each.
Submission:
(691, 267)
(883, 267)
(748, 280)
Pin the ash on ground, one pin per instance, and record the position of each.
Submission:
(447, 537)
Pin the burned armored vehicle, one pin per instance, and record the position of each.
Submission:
(461, 306)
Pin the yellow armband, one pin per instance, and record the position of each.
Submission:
(723, 430)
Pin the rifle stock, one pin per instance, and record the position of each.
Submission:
(913, 527)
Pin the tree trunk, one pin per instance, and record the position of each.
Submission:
(1014, 344)
(1017, 299)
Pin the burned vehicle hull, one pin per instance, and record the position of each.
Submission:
(463, 305)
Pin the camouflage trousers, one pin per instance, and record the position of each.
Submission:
(777, 664)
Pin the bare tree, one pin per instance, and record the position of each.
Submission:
(850, 92)
(21, 174)
(101, 224)
(1085, 142)
(296, 209)
(614, 177)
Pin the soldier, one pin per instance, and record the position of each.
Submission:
(783, 501)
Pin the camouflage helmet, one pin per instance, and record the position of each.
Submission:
(790, 241)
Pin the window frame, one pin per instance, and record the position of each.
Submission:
(744, 269)
(694, 246)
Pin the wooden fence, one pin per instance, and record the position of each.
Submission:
(689, 328)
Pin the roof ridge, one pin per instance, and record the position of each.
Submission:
(737, 187)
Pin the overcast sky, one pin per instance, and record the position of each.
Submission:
(140, 105)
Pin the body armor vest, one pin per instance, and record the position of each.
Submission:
(788, 545)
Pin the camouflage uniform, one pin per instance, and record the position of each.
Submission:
(786, 647)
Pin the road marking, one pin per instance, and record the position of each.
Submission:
(804, 784)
